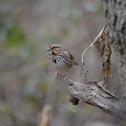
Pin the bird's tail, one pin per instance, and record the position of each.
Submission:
(81, 66)
(75, 63)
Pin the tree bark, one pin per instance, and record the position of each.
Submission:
(115, 14)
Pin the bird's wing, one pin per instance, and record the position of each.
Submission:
(70, 57)
(68, 54)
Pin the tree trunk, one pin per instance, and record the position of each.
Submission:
(115, 14)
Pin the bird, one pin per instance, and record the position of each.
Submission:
(61, 59)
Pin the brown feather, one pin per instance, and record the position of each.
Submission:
(75, 63)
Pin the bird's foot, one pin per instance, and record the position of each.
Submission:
(58, 76)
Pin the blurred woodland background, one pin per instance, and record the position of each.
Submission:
(27, 81)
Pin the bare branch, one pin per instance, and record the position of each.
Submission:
(96, 94)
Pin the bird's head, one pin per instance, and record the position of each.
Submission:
(54, 49)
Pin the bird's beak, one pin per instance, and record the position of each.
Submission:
(48, 49)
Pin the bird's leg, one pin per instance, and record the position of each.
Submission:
(62, 76)
(58, 76)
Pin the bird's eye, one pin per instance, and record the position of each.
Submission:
(53, 53)
(52, 48)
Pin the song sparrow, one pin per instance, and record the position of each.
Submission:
(61, 59)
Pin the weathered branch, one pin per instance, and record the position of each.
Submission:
(96, 94)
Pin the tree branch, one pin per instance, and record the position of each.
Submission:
(96, 94)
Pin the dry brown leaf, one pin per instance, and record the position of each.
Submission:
(103, 46)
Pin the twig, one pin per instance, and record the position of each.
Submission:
(45, 116)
